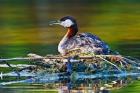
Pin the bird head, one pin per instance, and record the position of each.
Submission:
(66, 22)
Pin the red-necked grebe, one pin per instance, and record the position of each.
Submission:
(83, 42)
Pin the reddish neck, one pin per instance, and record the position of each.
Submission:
(71, 31)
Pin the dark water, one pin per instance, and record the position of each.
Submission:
(24, 27)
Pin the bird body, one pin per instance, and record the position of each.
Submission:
(83, 43)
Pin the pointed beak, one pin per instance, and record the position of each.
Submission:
(57, 22)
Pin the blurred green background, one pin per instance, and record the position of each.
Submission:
(24, 24)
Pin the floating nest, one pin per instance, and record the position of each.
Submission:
(79, 63)
(85, 63)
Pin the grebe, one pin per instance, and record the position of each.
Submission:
(83, 43)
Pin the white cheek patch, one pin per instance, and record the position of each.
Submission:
(67, 23)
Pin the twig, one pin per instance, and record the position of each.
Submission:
(51, 57)
(16, 65)
(111, 64)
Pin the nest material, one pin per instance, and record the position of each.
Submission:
(85, 63)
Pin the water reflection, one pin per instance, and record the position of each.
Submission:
(83, 85)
